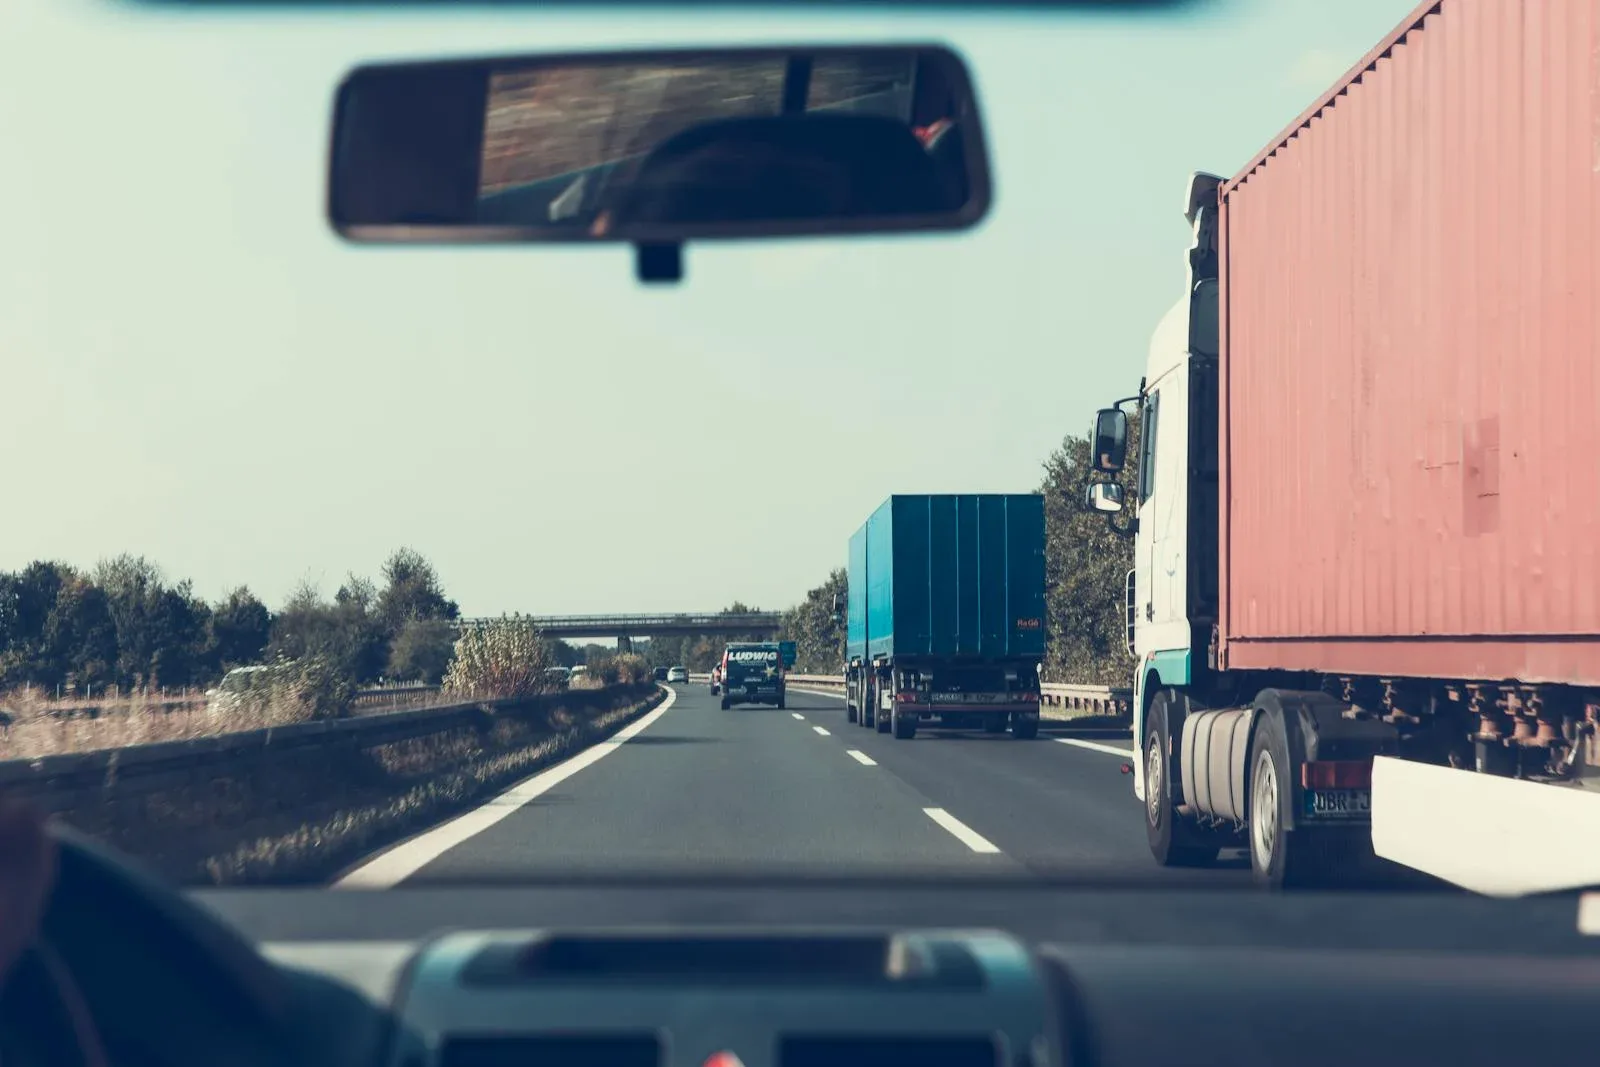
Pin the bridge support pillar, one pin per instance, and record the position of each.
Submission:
(624, 644)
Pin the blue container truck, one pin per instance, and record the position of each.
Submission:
(945, 614)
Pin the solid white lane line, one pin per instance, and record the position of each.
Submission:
(820, 730)
(861, 757)
(797, 715)
(960, 830)
(1095, 746)
(818, 692)
(407, 858)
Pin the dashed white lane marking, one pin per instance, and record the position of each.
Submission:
(960, 830)
(861, 757)
(407, 858)
(1095, 746)
(820, 730)
(797, 715)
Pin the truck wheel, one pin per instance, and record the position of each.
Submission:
(781, 699)
(1280, 858)
(884, 721)
(725, 704)
(1024, 729)
(850, 713)
(904, 726)
(1172, 839)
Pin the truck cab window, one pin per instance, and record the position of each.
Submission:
(1148, 423)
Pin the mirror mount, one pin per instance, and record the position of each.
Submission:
(658, 264)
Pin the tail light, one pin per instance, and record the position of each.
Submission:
(1336, 774)
(906, 697)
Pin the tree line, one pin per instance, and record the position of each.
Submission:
(123, 623)
(698, 652)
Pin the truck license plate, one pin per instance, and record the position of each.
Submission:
(1338, 804)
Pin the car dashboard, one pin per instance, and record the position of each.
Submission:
(1272, 980)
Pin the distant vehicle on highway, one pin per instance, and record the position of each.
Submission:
(716, 679)
(661, 674)
(753, 674)
(678, 674)
(943, 625)
(558, 676)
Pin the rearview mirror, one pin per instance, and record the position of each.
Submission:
(1109, 442)
(1103, 496)
(659, 148)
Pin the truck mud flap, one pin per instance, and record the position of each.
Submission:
(1317, 727)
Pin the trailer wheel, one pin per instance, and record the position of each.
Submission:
(1172, 839)
(1024, 729)
(781, 699)
(884, 721)
(850, 712)
(904, 726)
(726, 704)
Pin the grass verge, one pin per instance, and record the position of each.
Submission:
(281, 823)
(1084, 718)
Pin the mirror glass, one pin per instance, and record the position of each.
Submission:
(1110, 439)
(659, 147)
(1104, 496)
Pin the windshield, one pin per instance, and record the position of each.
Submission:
(464, 465)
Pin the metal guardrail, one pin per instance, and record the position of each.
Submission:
(1100, 699)
(60, 782)
(708, 622)
(390, 696)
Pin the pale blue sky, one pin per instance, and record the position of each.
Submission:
(195, 369)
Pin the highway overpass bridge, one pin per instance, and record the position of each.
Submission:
(623, 627)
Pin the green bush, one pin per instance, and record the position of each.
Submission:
(623, 668)
(421, 651)
(312, 687)
(505, 657)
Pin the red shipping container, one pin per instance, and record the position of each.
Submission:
(1411, 401)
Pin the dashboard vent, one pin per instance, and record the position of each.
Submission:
(552, 1050)
(861, 1050)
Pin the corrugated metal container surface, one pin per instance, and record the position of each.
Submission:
(855, 623)
(949, 576)
(1411, 417)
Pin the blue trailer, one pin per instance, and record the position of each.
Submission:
(946, 614)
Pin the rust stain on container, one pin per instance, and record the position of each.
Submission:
(1411, 401)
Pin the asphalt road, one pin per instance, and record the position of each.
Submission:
(756, 788)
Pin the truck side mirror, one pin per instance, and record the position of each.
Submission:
(1109, 442)
(1103, 496)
